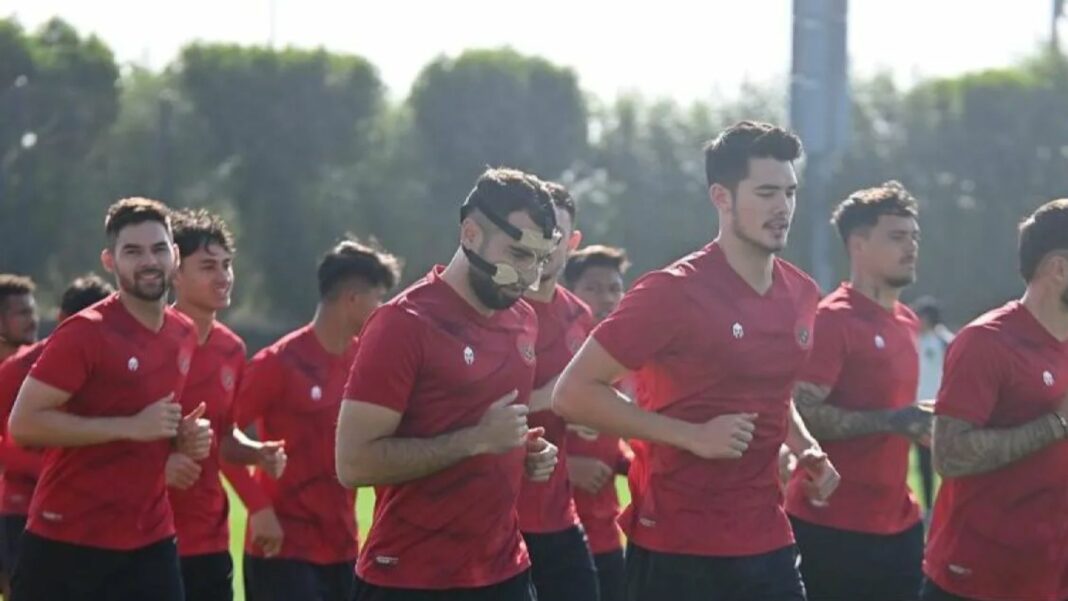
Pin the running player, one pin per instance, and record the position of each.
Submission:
(435, 411)
(998, 531)
(102, 398)
(18, 313)
(717, 339)
(857, 393)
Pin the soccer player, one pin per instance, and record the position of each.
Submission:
(595, 275)
(435, 411)
(304, 543)
(857, 395)
(561, 564)
(934, 341)
(717, 339)
(22, 467)
(202, 286)
(998, 531)
(103, 398)
(18, 313)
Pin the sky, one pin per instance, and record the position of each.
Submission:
(684, 50)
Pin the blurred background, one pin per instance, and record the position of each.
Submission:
(303, 120)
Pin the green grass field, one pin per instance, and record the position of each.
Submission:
(365, 502)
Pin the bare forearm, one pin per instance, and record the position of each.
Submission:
(600, 406)
(56, 428)
(394, 460)
(962, 449)
(798, 437)
(827, 422)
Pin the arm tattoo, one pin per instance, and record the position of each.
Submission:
(827, 422)
(963, 449)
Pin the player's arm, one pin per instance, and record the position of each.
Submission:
(829, 422)
(368, 453)
(38, 419)
(585, 395)
(964, 449)
(823, 478)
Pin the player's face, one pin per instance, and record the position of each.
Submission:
(890, 249)
(143, 260)
(601, 288)
(569, 240)
(497, 247)
(206, 278)
(763, 206)
(18, 320)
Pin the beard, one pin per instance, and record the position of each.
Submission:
(140, 287)
(489, 293)
(743, 236)
(903, 281)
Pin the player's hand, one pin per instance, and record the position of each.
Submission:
(266, 531)
(787, 464)
(273, 458)
(724, 437)
(182, 472)
(194, 434)
(158, 421)
(914, 422)
(541, 456)
(584, 432)
(822, 480)
(503, 427)
(588, 474)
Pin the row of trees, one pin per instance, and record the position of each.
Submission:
(298, 147)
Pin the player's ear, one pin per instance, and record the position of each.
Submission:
(107, 259)
(720, 196)
(574, 241)
(471, 233)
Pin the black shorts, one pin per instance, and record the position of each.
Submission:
(611, 575)
(656, 576)
(208, 577)
(516, 588)
(931, 592)
(291, 579)
(49, 570)
(11, 529)
(840, 564)
(561, 567)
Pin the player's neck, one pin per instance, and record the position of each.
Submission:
(456, 276)
(203, 318)
(755, 265)
(332, 329)
(545, 292)
(7, 349)
(877, 290)
(1048, 309)
(148, 313)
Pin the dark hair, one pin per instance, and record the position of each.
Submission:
(863, 208)
(14, 285)
(352, 260)
(562, 199)
(195, 229)
(596, 255)
(1043, 232)
(727, 156)
(132, 211)
(928, 307)
(505, 191)
(84, 292)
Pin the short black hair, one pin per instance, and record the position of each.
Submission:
(1041, 233)
(928, 307)
(132, 211)
(596, 255)
(14, 285)
(195, 229)
(84, 292)
(727, 156)
(504, 191)
(863, 208)
(562, 199)
(352, 260)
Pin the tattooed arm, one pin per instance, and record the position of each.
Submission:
(964, 449)
(827, 422)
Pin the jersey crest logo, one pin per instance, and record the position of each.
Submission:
(316, 393)
(803, 337)
(526, 350)
(133, 364)
(1047, 378)
(880, 343)
(737, 331)
(469, 355)
(183, 364)
(227, 376)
